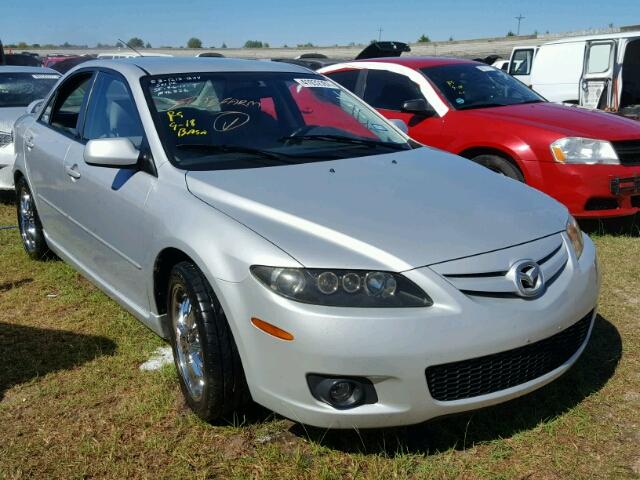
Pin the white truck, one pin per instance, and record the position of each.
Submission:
(521, 62)
(598, 71)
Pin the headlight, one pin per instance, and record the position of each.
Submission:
(584, 150)
(342, 288)
(575, 235)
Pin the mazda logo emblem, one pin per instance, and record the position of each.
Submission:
(527, 277)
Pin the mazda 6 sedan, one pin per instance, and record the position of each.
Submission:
(298, 249)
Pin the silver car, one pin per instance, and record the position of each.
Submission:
(296, 248)
(19, 87)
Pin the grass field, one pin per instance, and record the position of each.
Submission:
(74, 404)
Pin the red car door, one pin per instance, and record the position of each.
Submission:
(388, 91)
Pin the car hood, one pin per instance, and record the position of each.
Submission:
(564, 120)
(395, 211)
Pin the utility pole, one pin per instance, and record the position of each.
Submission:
(379, 33)
(519, 18)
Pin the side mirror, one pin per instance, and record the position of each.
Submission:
(111, 152)
(35, 106)
(400, 125)
(419, 106)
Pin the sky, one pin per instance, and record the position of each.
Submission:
(321, 22)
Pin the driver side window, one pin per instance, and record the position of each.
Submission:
(112, 112)
(389, 90)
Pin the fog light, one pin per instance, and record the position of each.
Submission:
(342, 393)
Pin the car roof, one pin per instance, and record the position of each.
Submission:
(18, 69)
(418, 62)
(168, 65)
(603, 36)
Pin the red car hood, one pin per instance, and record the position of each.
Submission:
(566, 121)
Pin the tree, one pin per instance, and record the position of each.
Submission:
(253, 44)
(194, 42)
(424, 39)
(148, 45)
(451, 39)
(22, 45)
(136, 42)
(510, 34)
(224, 45)
(306, 45)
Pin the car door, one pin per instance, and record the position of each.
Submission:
(46, 143)
(520, 64)
(109, 204)
(597, 75)
(387, 91)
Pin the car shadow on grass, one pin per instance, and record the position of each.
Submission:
(592, 371)
(623, 226)
(7, 197)
(28, 352)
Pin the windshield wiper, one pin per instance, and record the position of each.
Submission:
(343, 139)
(530, 101)
(481, 105)
(232, 149)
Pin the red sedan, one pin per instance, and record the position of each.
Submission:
(588, 160)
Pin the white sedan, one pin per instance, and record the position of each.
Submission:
(297, 248)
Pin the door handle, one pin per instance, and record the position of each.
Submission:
(72, 171)
(28, 142)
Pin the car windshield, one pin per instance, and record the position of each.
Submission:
(230, 120)
(471, 85)
(20, 89)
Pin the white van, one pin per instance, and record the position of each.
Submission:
(521, 62)
(599, 71)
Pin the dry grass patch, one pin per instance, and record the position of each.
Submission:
(74, 404)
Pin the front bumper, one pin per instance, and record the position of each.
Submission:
(394, 347)
(7, 159)
(589, 191)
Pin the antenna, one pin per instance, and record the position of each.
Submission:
(519, 18)
(129, 46)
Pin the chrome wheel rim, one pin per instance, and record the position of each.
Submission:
(188, 345)
(27, 220)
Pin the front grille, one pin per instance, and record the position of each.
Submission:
(498, 285)
(5, 139)
(492, 373)
(628, 151)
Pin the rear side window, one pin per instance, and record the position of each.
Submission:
(67, 104)
(521, 62)
(347, 78)
(389, 90)
(599, 58)
(112, 112)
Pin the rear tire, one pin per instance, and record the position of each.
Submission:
(206, 356)
(500, 165)
(31, 231)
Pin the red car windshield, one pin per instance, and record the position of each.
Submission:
(472, 85)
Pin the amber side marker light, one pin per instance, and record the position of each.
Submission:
(271, 329)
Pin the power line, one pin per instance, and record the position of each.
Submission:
(519, 18)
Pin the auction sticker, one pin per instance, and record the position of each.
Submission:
(315, 83)
(484, 68)
(45, 76)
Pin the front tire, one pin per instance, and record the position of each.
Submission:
(205, 354)
(500, 165)
(31, 231)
